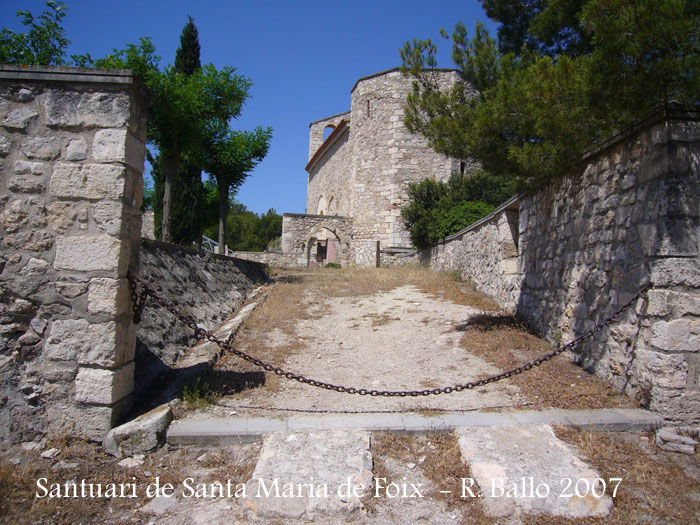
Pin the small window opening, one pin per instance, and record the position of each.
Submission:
(462, 167)
(368, 112)
(327, 132)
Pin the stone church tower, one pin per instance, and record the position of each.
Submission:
(360, 165)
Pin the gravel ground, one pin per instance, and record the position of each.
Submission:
(402, 339)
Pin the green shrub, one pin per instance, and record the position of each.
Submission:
(198, 393)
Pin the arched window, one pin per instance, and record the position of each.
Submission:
(322, 206)
(327, 131)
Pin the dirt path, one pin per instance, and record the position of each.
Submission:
(392, 329)
(402, 339)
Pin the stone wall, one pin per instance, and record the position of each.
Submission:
(589, 242)
(486, 253)
(72, 145)
(317, 129)
(386, 157)
(298, 230)
(205, 286)
(630, 215)
(275, 259)
(329, 190)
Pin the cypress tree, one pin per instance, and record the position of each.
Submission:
(187, 221)
(187, 55)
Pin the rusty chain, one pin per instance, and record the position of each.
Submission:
(138, 303)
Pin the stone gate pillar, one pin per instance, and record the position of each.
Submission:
(72, 145)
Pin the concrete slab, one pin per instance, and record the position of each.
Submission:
(241, 428)
(300, 475)
(527, 469)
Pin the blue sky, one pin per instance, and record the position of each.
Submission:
(302, 56)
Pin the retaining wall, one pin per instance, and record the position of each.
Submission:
(205, 286)
(589, 242)
(628, 216)
(486, 253)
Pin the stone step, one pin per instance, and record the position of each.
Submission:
(304, 474)
(221, 431)
(527, 469)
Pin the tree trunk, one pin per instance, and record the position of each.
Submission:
(223, 210)
(169, 169)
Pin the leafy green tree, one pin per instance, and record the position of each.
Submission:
(549, 27)
(646, 53)
(585, 69)
(438, 209)
(246, 230)
(184, 110)
(44, 43)
(230, 156)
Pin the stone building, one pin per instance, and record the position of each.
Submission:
(360, 165)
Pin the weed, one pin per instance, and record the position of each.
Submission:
(198, 393)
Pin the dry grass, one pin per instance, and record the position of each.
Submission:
(437, 455)
(654, 489)
(230, 464)
(555, 384)
(358, 282)
(18, 483)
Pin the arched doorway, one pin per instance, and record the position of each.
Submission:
(322, 248)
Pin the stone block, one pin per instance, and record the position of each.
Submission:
(46, 148)
(73, 109)
(144, 434)
(96, 386)
(87, 181)
(668, 302)
(19, 118)
(677, 335)
(5, 146)
(108, 216)
(88, 253)
(666, 370)
(70, 290)
(76, 149)
(108, 296)
(25, 184)
(109, 145)
(676, 406)
(61, 216)
(34, 267)
(60, 371)
(87, 422)
(14, 216)
(112, 145)
(104, 344)
(676, 271)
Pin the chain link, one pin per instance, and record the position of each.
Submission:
(202, 333)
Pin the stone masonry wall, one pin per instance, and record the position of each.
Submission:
(317, 128)
(298, 229)
(205, 286)
(386, 157)
(485, 253)
(330, 181)
(276, 259)
(589, 242)
(72, 145)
